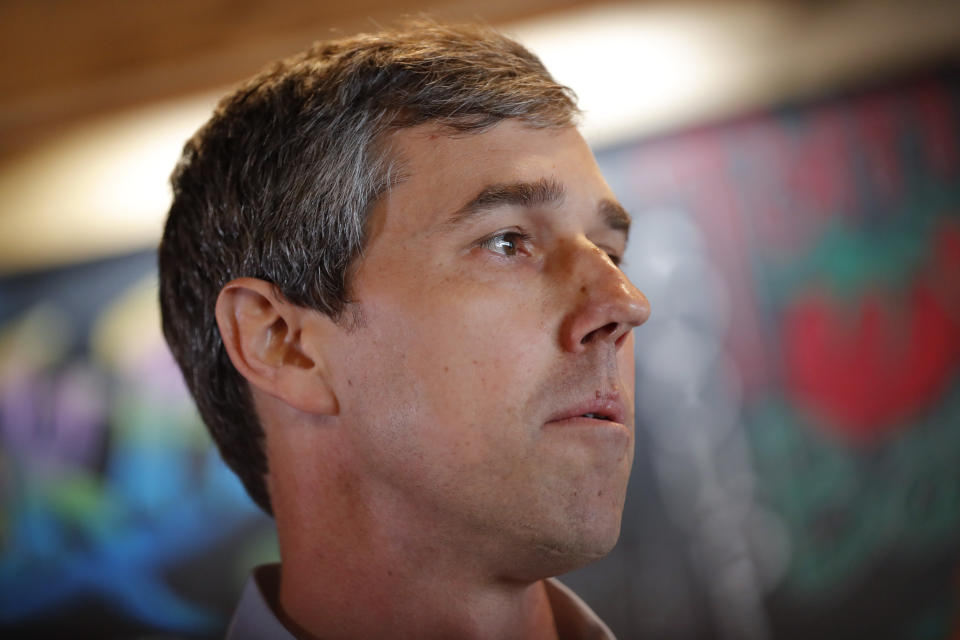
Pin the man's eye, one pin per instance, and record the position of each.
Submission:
(507, 243)
(615, 257)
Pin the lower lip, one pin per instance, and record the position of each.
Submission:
(583, 421)
(613, 437)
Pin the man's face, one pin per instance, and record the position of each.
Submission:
(488, 390)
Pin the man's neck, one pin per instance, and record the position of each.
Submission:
(370, 602)
(360, 561)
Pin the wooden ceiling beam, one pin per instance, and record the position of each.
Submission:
(63, 61)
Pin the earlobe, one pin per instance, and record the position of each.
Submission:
(272, 343)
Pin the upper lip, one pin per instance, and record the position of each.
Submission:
(608, 406)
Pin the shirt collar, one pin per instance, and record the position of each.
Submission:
(253, 618)
(574, 617)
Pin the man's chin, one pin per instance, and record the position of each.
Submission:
(557, 554)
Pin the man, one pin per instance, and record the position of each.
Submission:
(390, 278)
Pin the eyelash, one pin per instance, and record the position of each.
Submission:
(524, 239)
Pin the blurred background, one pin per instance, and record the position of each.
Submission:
(793, 169)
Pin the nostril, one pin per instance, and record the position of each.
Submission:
(600, 332)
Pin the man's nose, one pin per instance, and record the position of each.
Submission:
(606, 304)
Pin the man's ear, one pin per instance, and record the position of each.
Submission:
(275, 345)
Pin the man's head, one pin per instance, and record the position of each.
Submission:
(278, 185)
(395, 255)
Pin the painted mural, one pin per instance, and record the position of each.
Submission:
(119, 519)
(800, 376)
(798, 403)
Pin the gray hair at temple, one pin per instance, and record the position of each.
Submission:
(278, 185)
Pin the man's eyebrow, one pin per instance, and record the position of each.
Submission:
(545, 191)
(614, 215)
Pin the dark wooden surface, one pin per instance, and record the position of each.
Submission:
(62, 61)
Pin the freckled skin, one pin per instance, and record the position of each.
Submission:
(447, 471)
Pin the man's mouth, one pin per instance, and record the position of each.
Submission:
(608, 407)
(597, 416)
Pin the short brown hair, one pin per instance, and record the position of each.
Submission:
(278, 184)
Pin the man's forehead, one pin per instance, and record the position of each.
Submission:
(510, 164)
(430, 148)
